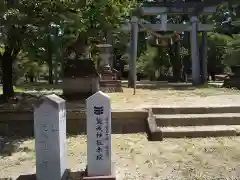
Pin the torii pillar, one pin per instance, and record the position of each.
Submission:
(133, 53)
(110, 40)
(196, 77)
(204, 56)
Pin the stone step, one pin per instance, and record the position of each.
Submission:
(200, 131)
(196, 110)
(197, 119)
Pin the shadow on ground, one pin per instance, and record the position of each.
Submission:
(181, 87)
(19, 101)
(38, 86)
(10, 145)
(78, 175)
(140, 85)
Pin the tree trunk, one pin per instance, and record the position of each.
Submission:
(32, 79)
(173, 61)
(56, 72)
(177, 64)
(50, 71)
(7, 75)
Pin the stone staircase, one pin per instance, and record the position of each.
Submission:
(193, 122)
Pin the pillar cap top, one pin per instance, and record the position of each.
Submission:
(194, 19)
(134, 19)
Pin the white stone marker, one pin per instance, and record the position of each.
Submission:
(99, 146)
(50, 138)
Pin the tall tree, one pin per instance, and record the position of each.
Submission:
(21, 20)
(24, 23)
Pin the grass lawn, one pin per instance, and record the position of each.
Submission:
(138, 159)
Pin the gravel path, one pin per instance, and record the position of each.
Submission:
(138, 159)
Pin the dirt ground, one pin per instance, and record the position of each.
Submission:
(138, 159)
(175, 97)
(208, 96)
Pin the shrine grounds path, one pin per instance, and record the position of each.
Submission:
(138, 159)
(187, 96)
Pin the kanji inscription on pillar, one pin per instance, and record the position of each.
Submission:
(99, 135)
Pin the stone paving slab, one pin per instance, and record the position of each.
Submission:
(198, 119)
(196, 110)
(195, 116)
(200, 131)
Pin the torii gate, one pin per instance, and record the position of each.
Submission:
(191, 7)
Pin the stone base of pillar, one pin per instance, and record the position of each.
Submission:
(100, 178)
(197, 84)
(108, 80)
(107, 74)
(110, 177)
(109, 86)
(66, 175)
(130, 83)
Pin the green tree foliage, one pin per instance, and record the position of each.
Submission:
(145, 63)
(22, 24)
(25, 25)
(151, 60)
(217, 47)
(233, 52)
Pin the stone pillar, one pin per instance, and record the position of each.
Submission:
(204, 54)
(110, 41)
(50, 138)
(133, 52)
(99, 142)
(204, 57)
(196, 78)
(163, 22)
